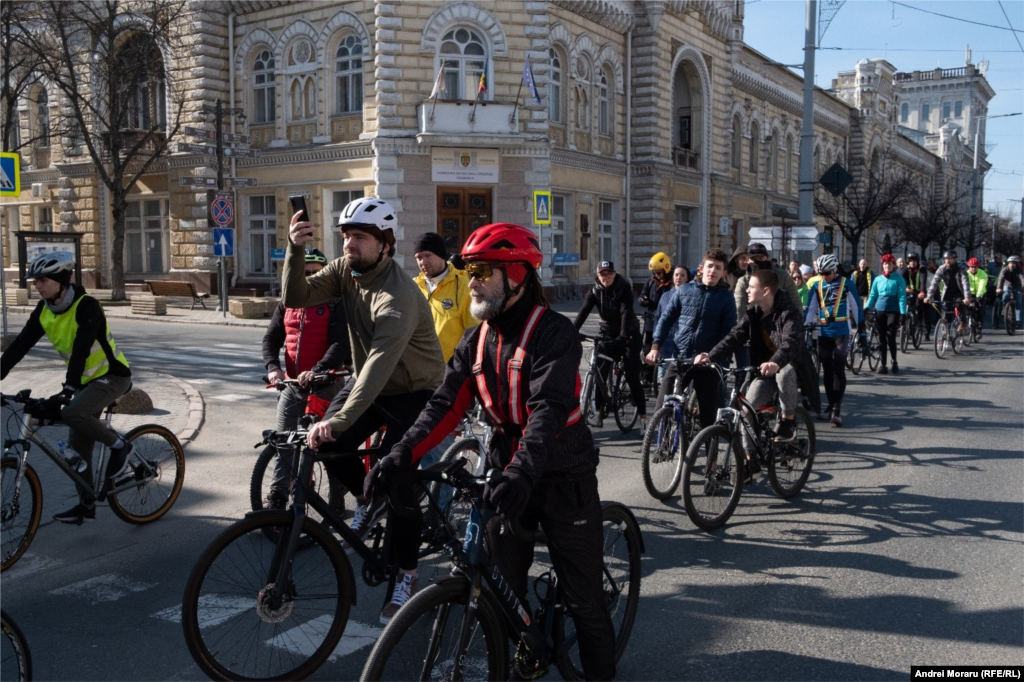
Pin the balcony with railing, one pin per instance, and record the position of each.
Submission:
(460, 119)
(686, 158)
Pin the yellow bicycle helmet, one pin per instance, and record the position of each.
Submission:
(660, 261)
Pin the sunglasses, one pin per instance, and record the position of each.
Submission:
(480, 271)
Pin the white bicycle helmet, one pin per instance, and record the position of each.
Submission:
(1013, 259)
(826, 263)
(51, 264)
(368, 214)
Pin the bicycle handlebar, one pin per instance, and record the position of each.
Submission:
(320, 379)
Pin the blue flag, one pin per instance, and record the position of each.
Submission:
(528, 79)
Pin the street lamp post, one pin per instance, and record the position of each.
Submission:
(974, 183)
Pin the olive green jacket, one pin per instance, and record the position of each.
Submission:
(394, 347)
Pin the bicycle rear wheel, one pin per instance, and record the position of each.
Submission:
(662, 453)
(712, 478)
(234, 626)
(941, 339)
(855, 358)
(421, 641)
(791, 464)
(623, 545)
(158, 466)
(625, 410)
(19, 515)
(918, 332)
(15, 658)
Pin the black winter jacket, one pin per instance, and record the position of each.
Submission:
(546, 447)
(785, 327)
(650, 296)
(614, 305)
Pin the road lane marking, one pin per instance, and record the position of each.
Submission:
(213, 610)
(218, 360)
(232, 397)
(29, 564)
(303, 639)
(103, 588)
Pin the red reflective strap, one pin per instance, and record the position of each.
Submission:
(515, 365)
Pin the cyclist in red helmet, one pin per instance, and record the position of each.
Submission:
(527, 379)
(888, 298)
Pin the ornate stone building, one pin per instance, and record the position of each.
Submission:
(657, 129)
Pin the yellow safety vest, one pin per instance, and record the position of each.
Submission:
(62, 330)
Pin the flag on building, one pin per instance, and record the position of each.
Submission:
(439, 84)
(482, 88)
(528, 79)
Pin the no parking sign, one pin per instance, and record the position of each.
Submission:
(222, 211)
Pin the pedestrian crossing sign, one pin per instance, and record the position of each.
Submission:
(10, 174)
(542, 207)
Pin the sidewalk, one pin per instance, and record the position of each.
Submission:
(175, 313)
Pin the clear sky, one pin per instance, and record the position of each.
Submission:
(914, 40)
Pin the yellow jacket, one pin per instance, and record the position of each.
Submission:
(449, 305)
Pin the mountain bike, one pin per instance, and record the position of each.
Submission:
(1010, 316)
(947, 333)
(668, 435)
(911, 330)
(715, 468)
(972, 320)
(263, 469)
(613, 388)
(15, 657)
(270, 597)
(144, 493)
(459, 628)
(811, 340)
(870, 348)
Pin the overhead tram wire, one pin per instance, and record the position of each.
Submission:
(966, 21)
(1016, 37)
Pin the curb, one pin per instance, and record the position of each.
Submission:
(196, 409)
(112, 313)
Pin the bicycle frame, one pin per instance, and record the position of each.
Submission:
(600, 383)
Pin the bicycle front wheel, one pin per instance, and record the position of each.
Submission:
(625, 409)
(421, 642)
(587, 407)
(855, 358)
(712, 478)
(320, 482)
(789, 468)
(918, 332)
(623, 546)
(20, 509)
(237, 626)
(941, 339)
(871, 350)
(956, 338)
(905, 335)
(15, 657)
(1010, 318)
(662, 453)
(158, 466)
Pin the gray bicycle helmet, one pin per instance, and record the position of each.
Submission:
(1013, 259)
(949, 254)
(57, 266)
(826, 263)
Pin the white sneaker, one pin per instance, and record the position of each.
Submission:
(404, 590)
(595, 421)
(364, 518)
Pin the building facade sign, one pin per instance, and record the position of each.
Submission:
(457, 166)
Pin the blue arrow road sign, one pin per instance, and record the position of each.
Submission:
(10, 174)
(223, 242)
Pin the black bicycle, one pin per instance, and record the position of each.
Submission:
(270, 597)
(613, 388)
(15, 658)
(459, 628)
(1010, 316)
(715, 469)
(911, 330)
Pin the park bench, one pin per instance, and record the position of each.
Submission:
(163, 287)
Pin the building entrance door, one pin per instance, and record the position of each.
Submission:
(460, 210)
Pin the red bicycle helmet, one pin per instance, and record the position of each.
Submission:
(889, 258)
(974, 263)
(503, 243)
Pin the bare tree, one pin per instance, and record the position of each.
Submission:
(18, 67)
(120, 100)
(925, 219)
(1009, 239)
(878, 192)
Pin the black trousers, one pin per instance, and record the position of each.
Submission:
(887, 326)
(707, 383)
(397, 413)
(833, 352)
(569, 512)
(631, 355)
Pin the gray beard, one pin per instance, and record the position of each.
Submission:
(486, 308)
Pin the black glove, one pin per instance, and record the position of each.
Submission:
(510, 495)
(379, 478)
(65, 395)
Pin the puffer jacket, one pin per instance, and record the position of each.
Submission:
(888, 294)
(614, 305)
(698, 316)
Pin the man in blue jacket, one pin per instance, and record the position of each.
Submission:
(698, 316)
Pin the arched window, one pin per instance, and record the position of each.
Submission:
(752, 162)
(42, 118)
(302, 85)
(348, 75)
(582, 108)
(264, 89)
(464, 59)
(141, 82)
(555, 87)
(737, 140)
(604, 108)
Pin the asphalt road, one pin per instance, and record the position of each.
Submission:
(904, 549)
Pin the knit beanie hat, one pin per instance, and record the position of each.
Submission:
(432, 242)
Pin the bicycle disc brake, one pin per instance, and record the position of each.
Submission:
(271, 607)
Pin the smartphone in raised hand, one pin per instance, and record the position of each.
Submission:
(299, 204)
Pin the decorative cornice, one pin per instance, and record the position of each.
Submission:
(573, 159)
(718, 15)
(761, 88)
(613, 14)
(278, 157)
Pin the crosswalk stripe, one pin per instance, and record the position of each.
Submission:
(219, 360)
(213, 609)
(103, 588)
(303, 639)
